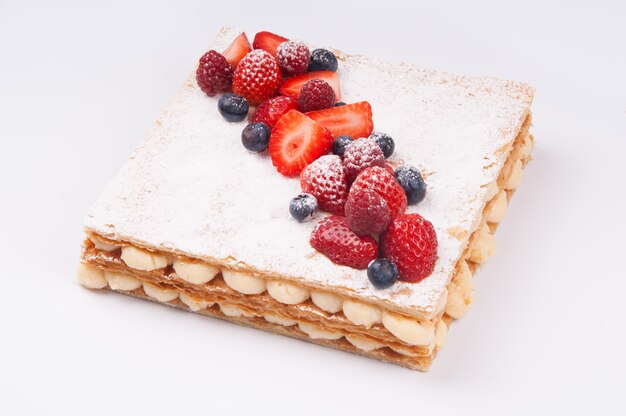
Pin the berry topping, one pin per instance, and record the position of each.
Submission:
(271, 110)
(335, 240)
(340, 144)
(410, 179)
(316, 95)
(367, 212)
(293, 85)
(384, 141)
(256, 137)
(237, 50)
(384, 184)
(257, 77)
(326, 180)
(297, 141)
(233, 107)
(360, 155)
(268, 42)
(382, 273)
(411, 243)
(323, 60)
(293, 57)
(303, 207)
(214, 73)
(354, 120)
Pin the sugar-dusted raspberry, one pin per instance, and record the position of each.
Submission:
(316, 95)
(293, 57)
(257, 76)
(367, 212)
(360, 155)
(214, 73)
(326, 180)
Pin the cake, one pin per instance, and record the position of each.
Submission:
(195, 221)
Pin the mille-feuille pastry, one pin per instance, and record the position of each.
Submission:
(350, 208)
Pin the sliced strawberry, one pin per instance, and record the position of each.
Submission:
(296, 141)
(237, 49)
(267, 41)
(354, 120)
(293, 85)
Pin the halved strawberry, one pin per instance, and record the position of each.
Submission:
(296, 141)
(354, 120)
(267, 41)
(237, 49)
(293, 85)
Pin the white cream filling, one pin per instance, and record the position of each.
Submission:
(90, 276)
(362, 343)
(194, 272)
(120, 281)
(527, 147)
(408, 330)
(327, 301)
(195, 304)
(162, 295)
(244, 282)
(315, 333)
(440, 334)
(101, 245)
(403, 351)
(484, 246)
(278, 320)
(233, 311)
(498, 208)
(515, 177)
(139, 259)
(287, 293)
(458, 301)
(361, 314)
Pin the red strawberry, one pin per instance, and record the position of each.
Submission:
(271, 110)
(296, 141)
(268, 42)
(257, 77)
(326, 181)
(367, 212)
(411, 243)
(237, 49)
(390, 168)
(360, 155)
(293, 85)
(333, 238)
(384, 184)
(354, 120)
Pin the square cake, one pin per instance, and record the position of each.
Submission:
(195, 221)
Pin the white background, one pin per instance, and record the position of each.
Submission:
(80, 85)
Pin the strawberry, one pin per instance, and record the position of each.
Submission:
(268, 41)
(325, 179)
(296, 141)
(293, 85)
(257, 77)
(367, 212)
(271, 110)
(411, 243)
(237, 49)
(333, 238)
(354, 120)
(360, 155)
(384, 184)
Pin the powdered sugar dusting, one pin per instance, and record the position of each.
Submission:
(191, 187)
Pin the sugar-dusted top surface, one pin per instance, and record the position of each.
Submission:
(192, 188)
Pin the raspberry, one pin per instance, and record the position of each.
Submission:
(257, 76)
(293, 57)
(269, 111)
(316, 95)
(360, 155)
(367, 212)
(333, 238)
(384, 184)
(411, 243)
(214, 73)
(326, 181)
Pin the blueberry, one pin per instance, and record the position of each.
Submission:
(256, 136)
(303, 207)
(340, 144)
(233, 107)
(322, 60)
(339, 104)
(410, 179)
(382, 273)
(385, 142)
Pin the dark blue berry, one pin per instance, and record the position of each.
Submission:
(233, 107)
(410, 179)
(303, 207)
(256, 136)
(382, 273)
(339, 104)
(322, 60)
(385, 142)
(340, 144)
